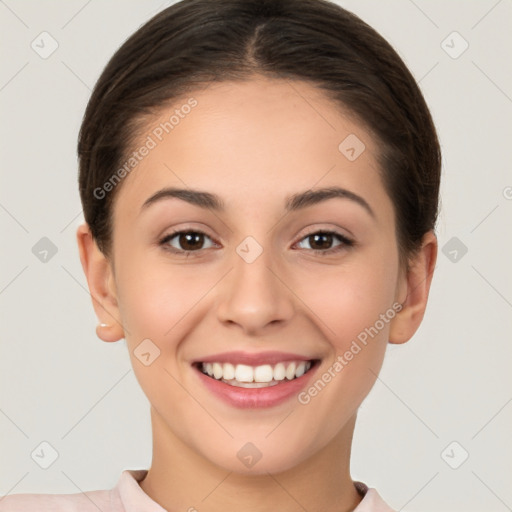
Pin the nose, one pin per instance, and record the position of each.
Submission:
(254, 296)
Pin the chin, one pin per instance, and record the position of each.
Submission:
(248, 459)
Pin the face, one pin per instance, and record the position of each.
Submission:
(266, 276)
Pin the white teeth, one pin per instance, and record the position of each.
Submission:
(228, 371)
(243, 375)
(290, 371)
(217, 370)
(263, 373)
(301, 368)
(279, 371)
(250, 384)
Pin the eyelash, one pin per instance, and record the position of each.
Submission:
(345, 242)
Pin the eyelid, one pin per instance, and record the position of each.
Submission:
(163, 241)
(327, 227)
(186, 229)
(337, 231)
(345, 242)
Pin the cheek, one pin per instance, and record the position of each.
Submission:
(351, 299)
(354, 306)
(153, 299)
(157, 304)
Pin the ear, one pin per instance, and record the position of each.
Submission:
(100, 278)
(413, 291)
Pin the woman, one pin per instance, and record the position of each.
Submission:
(260, 187)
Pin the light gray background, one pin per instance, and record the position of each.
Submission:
(452, 382)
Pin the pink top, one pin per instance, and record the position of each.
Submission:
(127, 496)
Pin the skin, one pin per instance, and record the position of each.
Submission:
(254, 144)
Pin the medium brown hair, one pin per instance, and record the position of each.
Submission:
(197, 42)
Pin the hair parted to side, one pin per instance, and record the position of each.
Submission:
(196, 42)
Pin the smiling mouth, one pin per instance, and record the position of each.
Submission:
(262, 376)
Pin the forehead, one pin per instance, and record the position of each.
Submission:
(260, 138)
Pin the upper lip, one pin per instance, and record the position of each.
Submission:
(255, 359)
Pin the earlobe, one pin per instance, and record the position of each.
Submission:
(100, 279)
(414, 291)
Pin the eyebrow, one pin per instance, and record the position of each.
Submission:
(294, 202)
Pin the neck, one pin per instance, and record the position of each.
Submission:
(181, 479)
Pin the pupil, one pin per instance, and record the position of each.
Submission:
(187, 240)
(327, 239)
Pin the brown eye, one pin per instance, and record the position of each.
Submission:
(323, 242)
(320, 241)
(186, 241)
(190, 241)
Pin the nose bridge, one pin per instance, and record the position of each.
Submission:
(253, 296)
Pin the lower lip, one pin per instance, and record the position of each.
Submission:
(255, 398)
